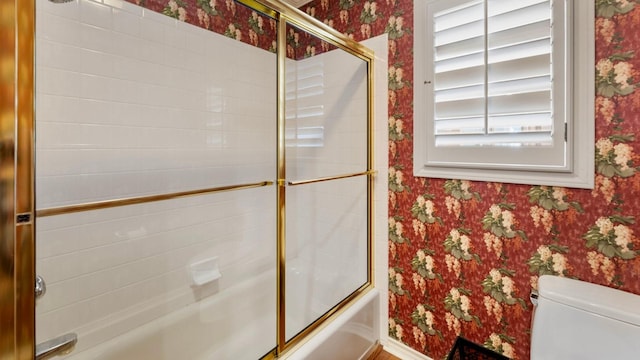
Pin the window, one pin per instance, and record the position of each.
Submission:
(504, 91)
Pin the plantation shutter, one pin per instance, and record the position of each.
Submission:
(493, 74)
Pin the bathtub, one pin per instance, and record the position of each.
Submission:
(350, 336)
(203, 330)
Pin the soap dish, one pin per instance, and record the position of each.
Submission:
(205, 271)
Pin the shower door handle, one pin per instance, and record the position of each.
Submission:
(61, 345)
(41, 287)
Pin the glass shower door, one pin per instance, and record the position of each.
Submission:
(155, 160)
(327, 163)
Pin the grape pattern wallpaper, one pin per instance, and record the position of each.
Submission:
(464, 256)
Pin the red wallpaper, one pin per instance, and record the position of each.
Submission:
(464, 255)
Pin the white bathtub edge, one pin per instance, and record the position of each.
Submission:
(316, 340)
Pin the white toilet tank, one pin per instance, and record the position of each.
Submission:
(580, 320)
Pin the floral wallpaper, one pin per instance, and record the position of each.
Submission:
(464, 256)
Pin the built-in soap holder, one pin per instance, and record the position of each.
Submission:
(205, 271)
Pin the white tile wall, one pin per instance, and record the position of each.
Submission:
(130, 102)
(119, 86)
(100, 267)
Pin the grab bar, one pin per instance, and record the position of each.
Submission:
(61, 345)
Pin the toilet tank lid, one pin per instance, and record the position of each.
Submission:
(598, 299)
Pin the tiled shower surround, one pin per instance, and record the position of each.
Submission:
(171, 102)
(131, 102)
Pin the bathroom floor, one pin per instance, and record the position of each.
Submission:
(383, 355)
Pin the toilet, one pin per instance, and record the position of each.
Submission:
(579, 320)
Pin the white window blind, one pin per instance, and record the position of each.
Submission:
(497, 81)
(500, 95)
(493, 74)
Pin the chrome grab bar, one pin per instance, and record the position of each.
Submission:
(61, 345)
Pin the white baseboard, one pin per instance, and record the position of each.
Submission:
(402, 351)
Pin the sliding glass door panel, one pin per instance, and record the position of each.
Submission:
(326, 109)
(137, 112)
(327, 232)
(327, 161)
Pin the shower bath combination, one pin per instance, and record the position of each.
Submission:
(165, 170)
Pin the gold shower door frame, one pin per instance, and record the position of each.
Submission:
(17, 173)
(17, 259)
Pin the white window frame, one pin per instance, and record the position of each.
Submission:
(579, 171)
